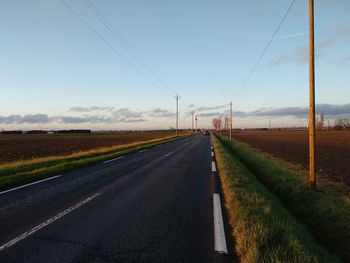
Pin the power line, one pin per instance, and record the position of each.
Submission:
(111, 46)
(264, 51)
(118, 36)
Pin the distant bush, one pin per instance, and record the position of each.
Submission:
(338, 127)
(12, 132)
(72, 131)
(36, 132)
(343, 122)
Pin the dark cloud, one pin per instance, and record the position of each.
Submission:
(79, 119)
(30, 119)
(132, 120)
(333, 109)
(209, 114)
(204, 110)
(161, 113)
(95, 119)
(68, 119)
(299, 112)
(126, 113)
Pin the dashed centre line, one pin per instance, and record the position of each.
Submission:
(47, 222)
(168, 154)
(22, 186)
(114, 159)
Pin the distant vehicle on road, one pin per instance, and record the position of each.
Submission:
(206, 132)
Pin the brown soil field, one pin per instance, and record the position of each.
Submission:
(25, 147)
(332, 149)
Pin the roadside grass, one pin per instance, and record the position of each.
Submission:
(19, 173)
(326, 214)
(264, 231)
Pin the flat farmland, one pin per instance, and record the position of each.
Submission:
(26, 147)
(332, 149)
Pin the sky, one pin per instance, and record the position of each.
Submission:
(61, 67)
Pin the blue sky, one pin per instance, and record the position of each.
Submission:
(55, 72)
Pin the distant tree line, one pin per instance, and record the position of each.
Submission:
(339, 124)
(45, 132)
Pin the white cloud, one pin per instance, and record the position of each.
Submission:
(161, 113)
(90, 109)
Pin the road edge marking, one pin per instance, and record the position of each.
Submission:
(46, 223)
(213, 166)
(219, 231)
(26, 185)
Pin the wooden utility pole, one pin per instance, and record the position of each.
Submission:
(312, 139)
(231, 121)
(220, 124)
(196, 124)
(192, 121)
(177, 113)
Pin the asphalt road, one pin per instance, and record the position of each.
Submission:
(151, 206)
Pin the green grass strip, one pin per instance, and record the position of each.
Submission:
(263, 230)
(326, 216)
(20, 173)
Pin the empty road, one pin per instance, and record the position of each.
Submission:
(152, 206)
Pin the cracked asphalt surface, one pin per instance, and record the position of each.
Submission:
(152, 207)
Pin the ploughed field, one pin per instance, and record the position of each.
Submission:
(332, 149)
(25, 147)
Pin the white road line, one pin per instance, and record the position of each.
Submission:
(22, 186)
(212, 154)
(213, 166)
(168, 154)
(160, 145)
(219, 232)
(142, 151)
(47, 222)
(114, 159)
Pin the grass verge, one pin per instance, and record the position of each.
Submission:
(20, 173)
(325, 215)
